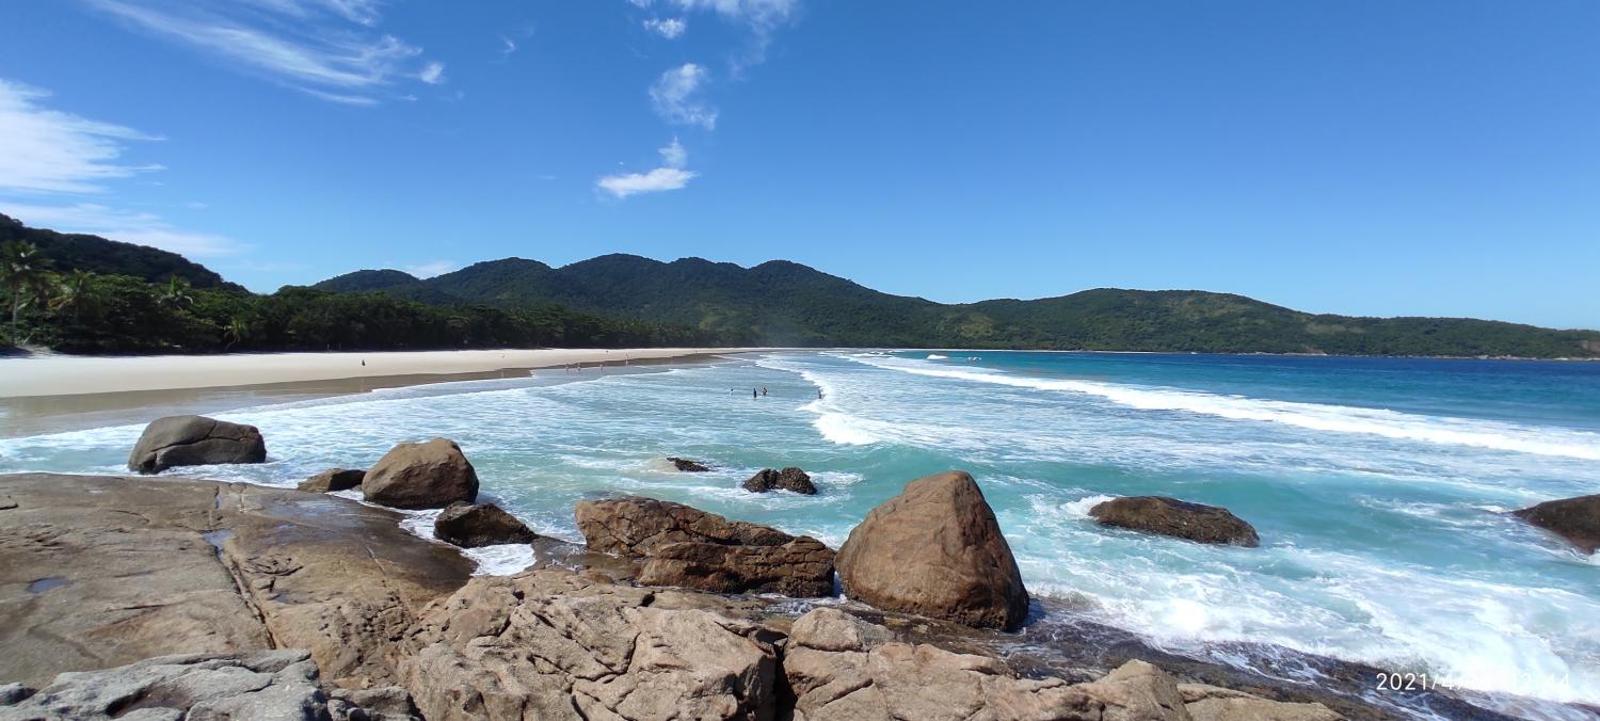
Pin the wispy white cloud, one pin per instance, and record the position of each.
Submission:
(364, 12)
(673, 154)
(677, 97)
(654, 181)
(670, 176)
(431, 268)
(48, 151)
(507, 47)
(762, 17)
(326, 48)
(127, 226)
(669, 28)
(432, 73)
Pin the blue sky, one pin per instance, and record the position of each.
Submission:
(1355, 156)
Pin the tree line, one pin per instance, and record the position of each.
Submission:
(79, 311)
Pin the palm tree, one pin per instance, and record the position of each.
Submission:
(22, 271)
(177, 295)
(235, 331)
(76, 293)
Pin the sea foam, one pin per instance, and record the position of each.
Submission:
(1312, 416)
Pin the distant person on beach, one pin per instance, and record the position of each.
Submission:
(819, 394)
(763, 390)
(754, 394)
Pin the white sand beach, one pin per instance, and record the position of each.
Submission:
(55, 375)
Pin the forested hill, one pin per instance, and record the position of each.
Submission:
(784, 303)
(94, 254)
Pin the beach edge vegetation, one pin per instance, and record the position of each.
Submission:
(85, 294)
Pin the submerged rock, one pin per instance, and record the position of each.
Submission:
(684, 546)
(554, 646)
(688, 466)
(432, 474)
(936, 550)
(484, 524)
(333, 479)
(195, 441)
(1179, 519)
(1575, 519)
(789, 479)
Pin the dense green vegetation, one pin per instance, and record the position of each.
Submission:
(94, 254)
(50, 303)
(82, 293)
(783, 303)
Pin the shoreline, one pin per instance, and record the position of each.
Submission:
(67, 375)
(27, 415)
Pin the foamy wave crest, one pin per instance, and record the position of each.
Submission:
(835, 425)
(1080, 507)
(1311, 416)
(936, 356)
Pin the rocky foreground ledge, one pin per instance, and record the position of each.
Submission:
(143, 599)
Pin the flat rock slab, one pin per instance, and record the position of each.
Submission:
(98, 572)
(279, 685)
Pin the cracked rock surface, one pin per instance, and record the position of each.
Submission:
(842, 668)
(553, 645)
(276, 685)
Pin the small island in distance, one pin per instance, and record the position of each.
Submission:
(86, 294)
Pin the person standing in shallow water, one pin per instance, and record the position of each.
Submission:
(763, 390)
(754, 394)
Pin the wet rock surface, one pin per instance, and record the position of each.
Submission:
(333, 479)
(790, 479)
(195, 441)
(470, 525)
(1178, 519)
(1575, 519)
(688, 466)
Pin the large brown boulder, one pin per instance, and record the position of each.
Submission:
(554, 646)
(470, 525)
(433, 474)
(687, 547)
(1575, 519)
(936, 550)
(790, 479)
(195, 441)
(1179, 519)
(333, 479)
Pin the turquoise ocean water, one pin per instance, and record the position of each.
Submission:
(1378, 485)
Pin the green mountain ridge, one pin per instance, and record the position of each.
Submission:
(92, 253)
(132, 298)
(789, 304)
